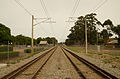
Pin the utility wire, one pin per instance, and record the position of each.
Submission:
(47, 14)
(99, 5)
(22, 7)
(44, 7)
(42, 28)
(29, 14)
(75, 7)
(72, 14)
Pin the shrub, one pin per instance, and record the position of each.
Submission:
(5, 48)
(40, 49)
(27, 50)
(4, 55)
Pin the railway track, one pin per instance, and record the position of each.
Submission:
(76, 64)
(30, 70)
(85, 69)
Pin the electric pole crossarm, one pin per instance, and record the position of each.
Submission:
(41, 18)
(45, 21)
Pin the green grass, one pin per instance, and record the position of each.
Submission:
(113, 53)
(5, 48)
(82, 50)
(4, 55)
(76, 49)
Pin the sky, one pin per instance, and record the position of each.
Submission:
(20, 22)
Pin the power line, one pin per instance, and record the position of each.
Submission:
(47, 14)
(22, 7)
(44, 7)
(75, 7)
(72, 13)
(99, 5)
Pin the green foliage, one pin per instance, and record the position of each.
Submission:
(38, 49)
(5, 48)
(27, 50)
(77, 35)
(50, 40)
(5, 34)
(105, 35)
(40, 39)
(116, 30)
(4, 55)
(22, 40)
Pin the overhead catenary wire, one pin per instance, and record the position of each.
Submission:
(22, 7)
(42, 28)
(44, 7)
(29, 14)
(100, 5)
(75, 7)
(47, 14)
(72, 14)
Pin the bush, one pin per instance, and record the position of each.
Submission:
(5, 48)
(35, 50)
(4, 55)
(38, 49)
(27, 50)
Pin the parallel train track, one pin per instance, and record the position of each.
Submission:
(89, 71)
(24, 72)
(85, 69)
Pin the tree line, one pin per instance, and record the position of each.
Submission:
(95, 36)
(5, 36)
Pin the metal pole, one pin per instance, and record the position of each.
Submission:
(86, 37)
(32, 33)
(8, 53)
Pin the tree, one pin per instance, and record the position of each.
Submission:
(108, 23)
(51, 40)
(5, 34)
(39, 39)
(105, 36)
(77, 35)
(116, 30)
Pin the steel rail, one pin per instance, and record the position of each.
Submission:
(76, 68)
(16, 72)
(38, 70)
(98, 70)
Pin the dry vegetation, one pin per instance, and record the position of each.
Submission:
(106, 56)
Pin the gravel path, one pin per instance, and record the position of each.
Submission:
(58, 67)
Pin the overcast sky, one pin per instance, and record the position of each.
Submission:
(20, 22)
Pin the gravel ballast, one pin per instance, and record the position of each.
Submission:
(107, 67)
(8, 69)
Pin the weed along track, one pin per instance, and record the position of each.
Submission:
(59, 63)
